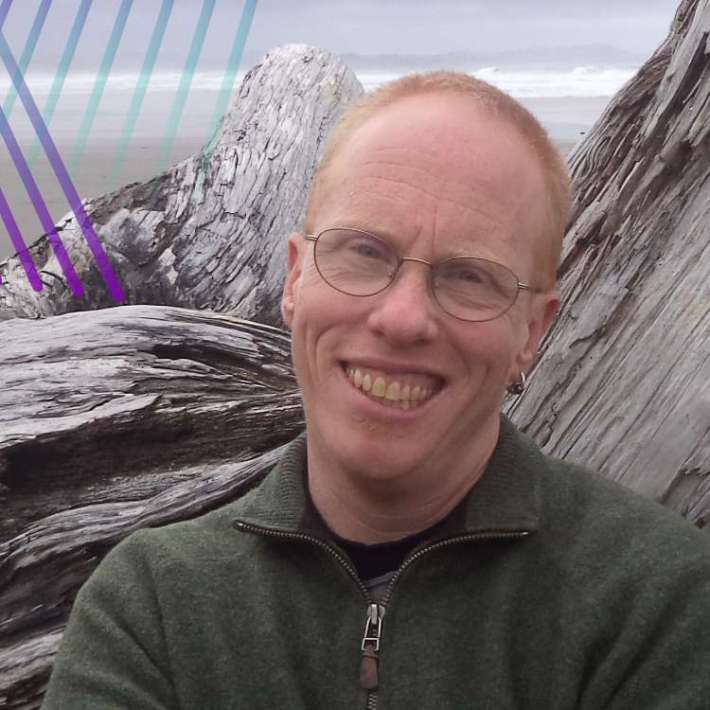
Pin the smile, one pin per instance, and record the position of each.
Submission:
(401, 391)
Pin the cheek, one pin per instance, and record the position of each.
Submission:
(491, 347)
(321, 323)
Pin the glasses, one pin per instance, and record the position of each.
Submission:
(358, 263)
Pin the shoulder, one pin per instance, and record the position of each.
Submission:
(602, 534)
(211, 543)
(205, 544)
(581, 500)
(632, 579)
(585, 500)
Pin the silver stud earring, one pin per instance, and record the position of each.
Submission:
(517, 388)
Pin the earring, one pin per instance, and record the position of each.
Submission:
(517, 388)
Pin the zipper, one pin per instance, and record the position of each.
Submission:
(370, 647)
(372, 635)
(317, 541)
(470, 537)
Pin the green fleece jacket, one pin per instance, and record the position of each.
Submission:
(548, 588)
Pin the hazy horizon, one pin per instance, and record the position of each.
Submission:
(553, 50)
(361, 27)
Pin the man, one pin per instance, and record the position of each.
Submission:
(412, 550)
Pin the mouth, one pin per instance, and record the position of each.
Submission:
(398, 390)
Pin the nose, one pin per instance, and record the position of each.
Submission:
(405, 312)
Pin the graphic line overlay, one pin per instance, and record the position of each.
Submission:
(62, 70)
(60, 171)
(142, 85)
(16, 238)
(6, 213)
(37, 200)
(28, 51)
(4, 9)
(230, 73)
(198, 40)
(100, 84)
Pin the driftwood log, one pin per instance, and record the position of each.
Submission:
(114, 420)
(623, 382)
(210, 232)
(126, 417)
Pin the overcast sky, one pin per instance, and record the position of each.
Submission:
(352, 26)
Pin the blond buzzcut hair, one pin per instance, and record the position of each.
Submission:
(495, 103)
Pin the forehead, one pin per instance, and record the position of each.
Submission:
(436, 165)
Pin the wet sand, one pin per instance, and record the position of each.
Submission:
(93, 178)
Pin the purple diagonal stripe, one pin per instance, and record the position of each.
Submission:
(40, 207)
(20, 247)
(50, 149)
(4, 9)
(6, 213)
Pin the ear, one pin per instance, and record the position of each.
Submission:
(296, 247)
(543, 309)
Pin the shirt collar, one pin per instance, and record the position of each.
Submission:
(506, 498)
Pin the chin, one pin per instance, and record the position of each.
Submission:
(370, 449)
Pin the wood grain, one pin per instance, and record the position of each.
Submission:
(623, 381)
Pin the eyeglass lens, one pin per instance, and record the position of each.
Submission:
(360, 264)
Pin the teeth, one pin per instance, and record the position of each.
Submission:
(378, 387)
(390, 393)
(366, 383)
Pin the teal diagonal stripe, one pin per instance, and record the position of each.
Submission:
(141, 87)
(230, 73)
(100, 84)
(62, 71)
(183, 91)
(28, 51)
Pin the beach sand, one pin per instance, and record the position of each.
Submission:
(566, 119)
(93, 178)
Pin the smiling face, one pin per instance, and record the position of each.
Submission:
(436, 177)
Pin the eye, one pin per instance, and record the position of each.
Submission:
(367, 248)
(469, 275)
(465, 273)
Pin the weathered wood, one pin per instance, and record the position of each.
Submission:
(210, 232)
(115, 420)
(623, 382)
(128, 417)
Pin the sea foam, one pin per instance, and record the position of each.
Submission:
(577, 82)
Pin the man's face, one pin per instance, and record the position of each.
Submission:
(437, 178)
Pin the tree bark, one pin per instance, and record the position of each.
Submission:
(623, 381)
(210, 232)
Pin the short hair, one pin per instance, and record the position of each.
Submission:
(495, 102)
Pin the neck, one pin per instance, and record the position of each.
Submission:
(362, 508)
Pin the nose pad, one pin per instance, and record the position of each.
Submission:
(426, 276)
(406, 310)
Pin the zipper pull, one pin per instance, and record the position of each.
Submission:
(371, 646)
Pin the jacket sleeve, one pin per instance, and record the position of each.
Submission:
(113, 654)
(660, 658)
